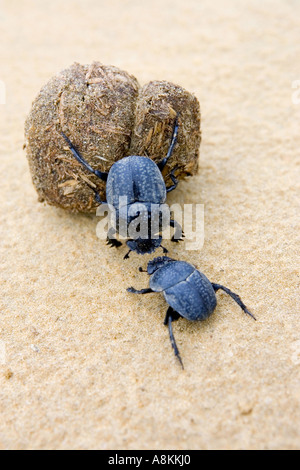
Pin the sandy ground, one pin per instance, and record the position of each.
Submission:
(84, 364)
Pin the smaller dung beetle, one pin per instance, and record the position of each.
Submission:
(139, 180)
(187, 291)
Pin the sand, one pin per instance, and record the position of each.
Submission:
(86, 365)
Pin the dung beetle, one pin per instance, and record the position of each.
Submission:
(187, 291)
(139, 180)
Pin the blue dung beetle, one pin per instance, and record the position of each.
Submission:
(138, 179)
(187, 291)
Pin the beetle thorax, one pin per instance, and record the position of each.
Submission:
(142, 220)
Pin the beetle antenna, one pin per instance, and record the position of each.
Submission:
(235, 297)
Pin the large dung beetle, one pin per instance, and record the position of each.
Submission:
(138, 181)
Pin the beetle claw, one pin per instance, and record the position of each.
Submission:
(176, 240)
(113, 242)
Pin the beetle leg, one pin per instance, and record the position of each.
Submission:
(127, 254)
(132, 290)
(142, 270)
(96, 195)
(80, 159)
(235, 297)
(164, 161)
(174, 180)
(111, 240)
(177, 237)
(170, 317)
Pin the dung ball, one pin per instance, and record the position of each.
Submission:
(107, 116)
(158, 104)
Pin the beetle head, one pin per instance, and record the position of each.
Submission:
(157, 263)
(143, 246)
